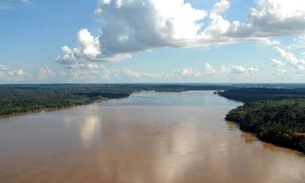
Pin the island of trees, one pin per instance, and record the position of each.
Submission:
(273, 115)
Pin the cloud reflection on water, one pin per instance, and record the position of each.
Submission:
(89, 129)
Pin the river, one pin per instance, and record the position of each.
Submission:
(146, 138)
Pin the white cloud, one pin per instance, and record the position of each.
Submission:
(162, 24)
(276, 63)
(83, 66)
(16, 73)
(130, 73)
(130, 26)
(273, 18)
(86, 72)
(187, 72)
(270, 18)
(280, 72)
(208, 69)
(45, 73)
(287, 55)
(90, 46)
(229, 70)
(4, 68)
(298, 43)
(127, 73)
(184, 74)
(221, 7)
(88, 50)
(291, 58)
(237, 69)
(207, 73)
(7, 73)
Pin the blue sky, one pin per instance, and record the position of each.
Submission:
(152, 41)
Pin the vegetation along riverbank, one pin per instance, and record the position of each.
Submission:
(18, 99)
(273, 115)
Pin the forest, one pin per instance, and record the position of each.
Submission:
(273, 115)
(35, 97)
(27, 98)
(260, 93)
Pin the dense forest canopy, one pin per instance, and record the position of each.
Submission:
(255, 94)
(25, 98)
(273, 115)
(278, 121)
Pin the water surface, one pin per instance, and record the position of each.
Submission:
(146, 138)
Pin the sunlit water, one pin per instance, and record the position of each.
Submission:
(146, 138)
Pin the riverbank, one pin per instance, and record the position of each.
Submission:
(22, 99)
(50, 109)
(277, 119)
(19, 99)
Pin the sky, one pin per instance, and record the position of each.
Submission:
(152, 41)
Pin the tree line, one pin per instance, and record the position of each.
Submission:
(27, 98)
(34, 97)
(273, 115)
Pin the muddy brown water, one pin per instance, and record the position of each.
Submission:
(146, 138)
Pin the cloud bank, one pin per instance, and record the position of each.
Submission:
(12, 74)
(130, 26)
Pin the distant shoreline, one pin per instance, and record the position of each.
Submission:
(48, 109)
(31, 98)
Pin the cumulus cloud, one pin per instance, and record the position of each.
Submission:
(45, 73)
(98, 73)
(237, 69)
(209, 69)
(89, 50)
(16, 73)
(162, 23)
(4, 68)
(128, 73)
(130, 26)
(124, 32)
(277, 18)
(280, 72)
(12, 74)
(221, 7)
(187, 72)
(227, 70)
(175, 74)
(135, 26)
(291, 58)
(104, 74)
(276, 63)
